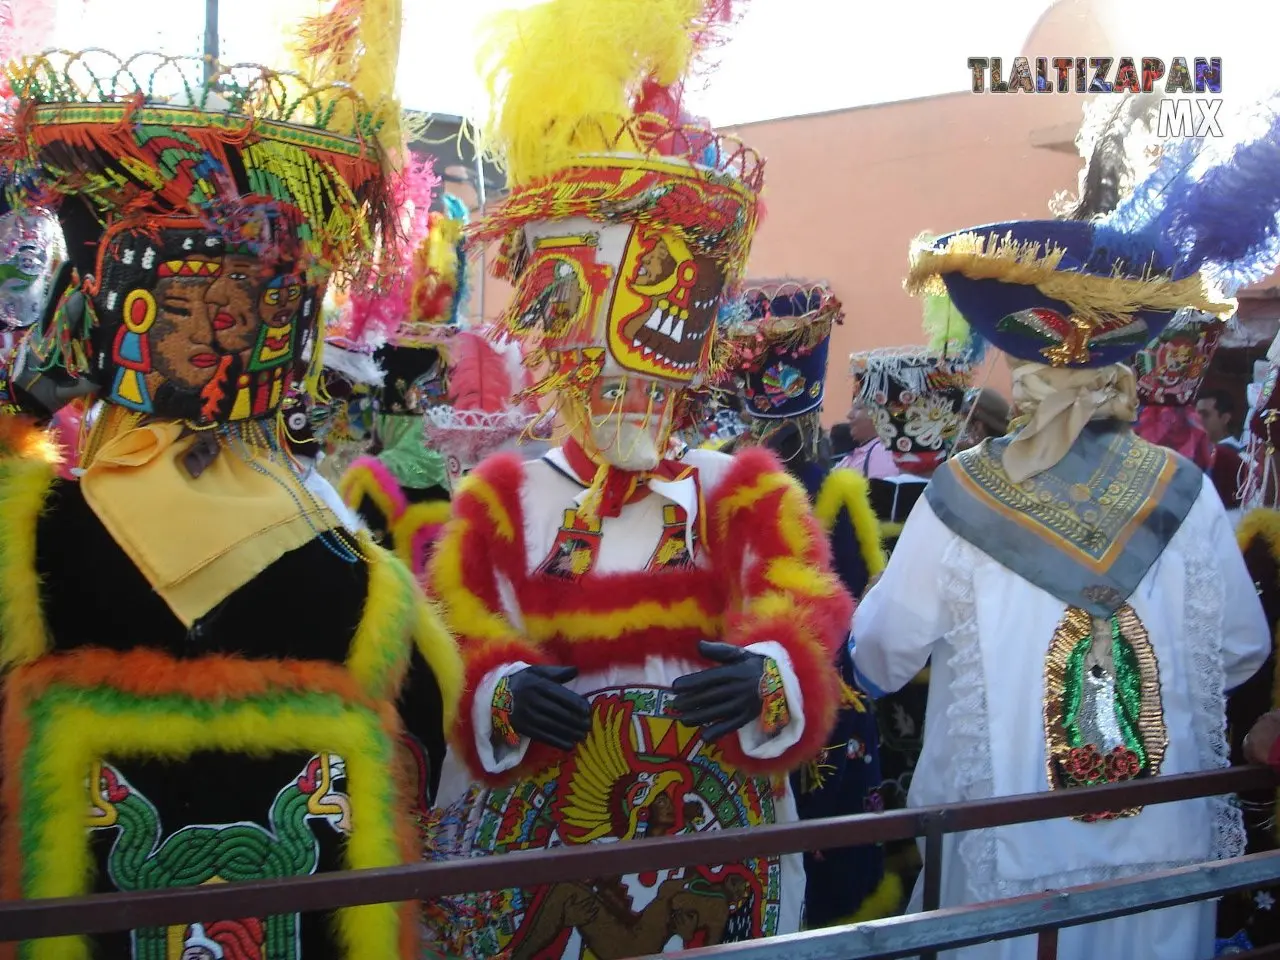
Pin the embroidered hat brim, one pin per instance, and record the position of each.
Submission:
(1042, 291)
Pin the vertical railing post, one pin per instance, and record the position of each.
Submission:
(1047, 944)
(211, 44)
(934, 831)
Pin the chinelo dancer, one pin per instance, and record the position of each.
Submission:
(401, 487)
(203, 666)
(780, 342)
(1091, 608)
(648, 638)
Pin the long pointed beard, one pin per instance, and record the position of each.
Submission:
(631, 442)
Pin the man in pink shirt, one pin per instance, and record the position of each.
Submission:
(869, 456)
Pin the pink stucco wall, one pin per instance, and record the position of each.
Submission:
(847, 192)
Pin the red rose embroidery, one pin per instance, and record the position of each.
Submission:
(1122, 764)
(1084, 764)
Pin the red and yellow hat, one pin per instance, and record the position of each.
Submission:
(627, 220)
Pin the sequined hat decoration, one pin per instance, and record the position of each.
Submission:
(1204, 222)
(1172, 367)
(914, 396)
(780, 347)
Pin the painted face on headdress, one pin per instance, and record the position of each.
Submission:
(191, 327)
(31, 252)
(664, 308)
(637, 292)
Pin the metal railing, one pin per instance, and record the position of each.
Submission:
(1042, 913)
(102, 913)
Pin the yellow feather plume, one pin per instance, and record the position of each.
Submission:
(436, 263)
(561, 76)
(357, 43)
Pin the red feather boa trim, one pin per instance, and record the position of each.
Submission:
(463, 736)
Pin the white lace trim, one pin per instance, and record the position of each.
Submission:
(1202, 616)
(972, 772)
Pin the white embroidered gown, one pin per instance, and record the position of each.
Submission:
(989, 630)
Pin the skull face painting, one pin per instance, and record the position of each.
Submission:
(664, 308)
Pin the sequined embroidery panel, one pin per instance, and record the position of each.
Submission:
(1103, 717)
(1087, 516)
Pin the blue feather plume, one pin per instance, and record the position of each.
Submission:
(455, 209)
(1211, 204)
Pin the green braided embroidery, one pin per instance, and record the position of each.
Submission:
(37, 793)
(196, 855)
(1128, 703)
(1073, 690)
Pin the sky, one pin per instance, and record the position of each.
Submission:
(786, 58)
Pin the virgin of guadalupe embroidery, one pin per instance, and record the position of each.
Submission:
(1103, 717)
(576, 547)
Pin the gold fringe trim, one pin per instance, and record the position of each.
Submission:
(1099, 299)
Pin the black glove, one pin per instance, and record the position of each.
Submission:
(721, 699)
(543, 710)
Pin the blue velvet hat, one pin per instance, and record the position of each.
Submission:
(780, 342)
(1086, 293)
(1057, 291)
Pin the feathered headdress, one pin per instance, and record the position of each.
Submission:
(481, 415)
(949, 332)
(627, 218)
(26, 28)
(780, 344)
(1211, 204)
(1119, 145)
(440, 267)
(1085, 293)
(380, 310)
(904, 387)
(630, 57)
(357, 43)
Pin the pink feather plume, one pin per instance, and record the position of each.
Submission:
(26, 28)
(376, 312)
(480, 376)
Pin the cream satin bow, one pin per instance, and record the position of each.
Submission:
(1059, 403)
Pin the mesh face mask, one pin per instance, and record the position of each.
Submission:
(623, 435)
